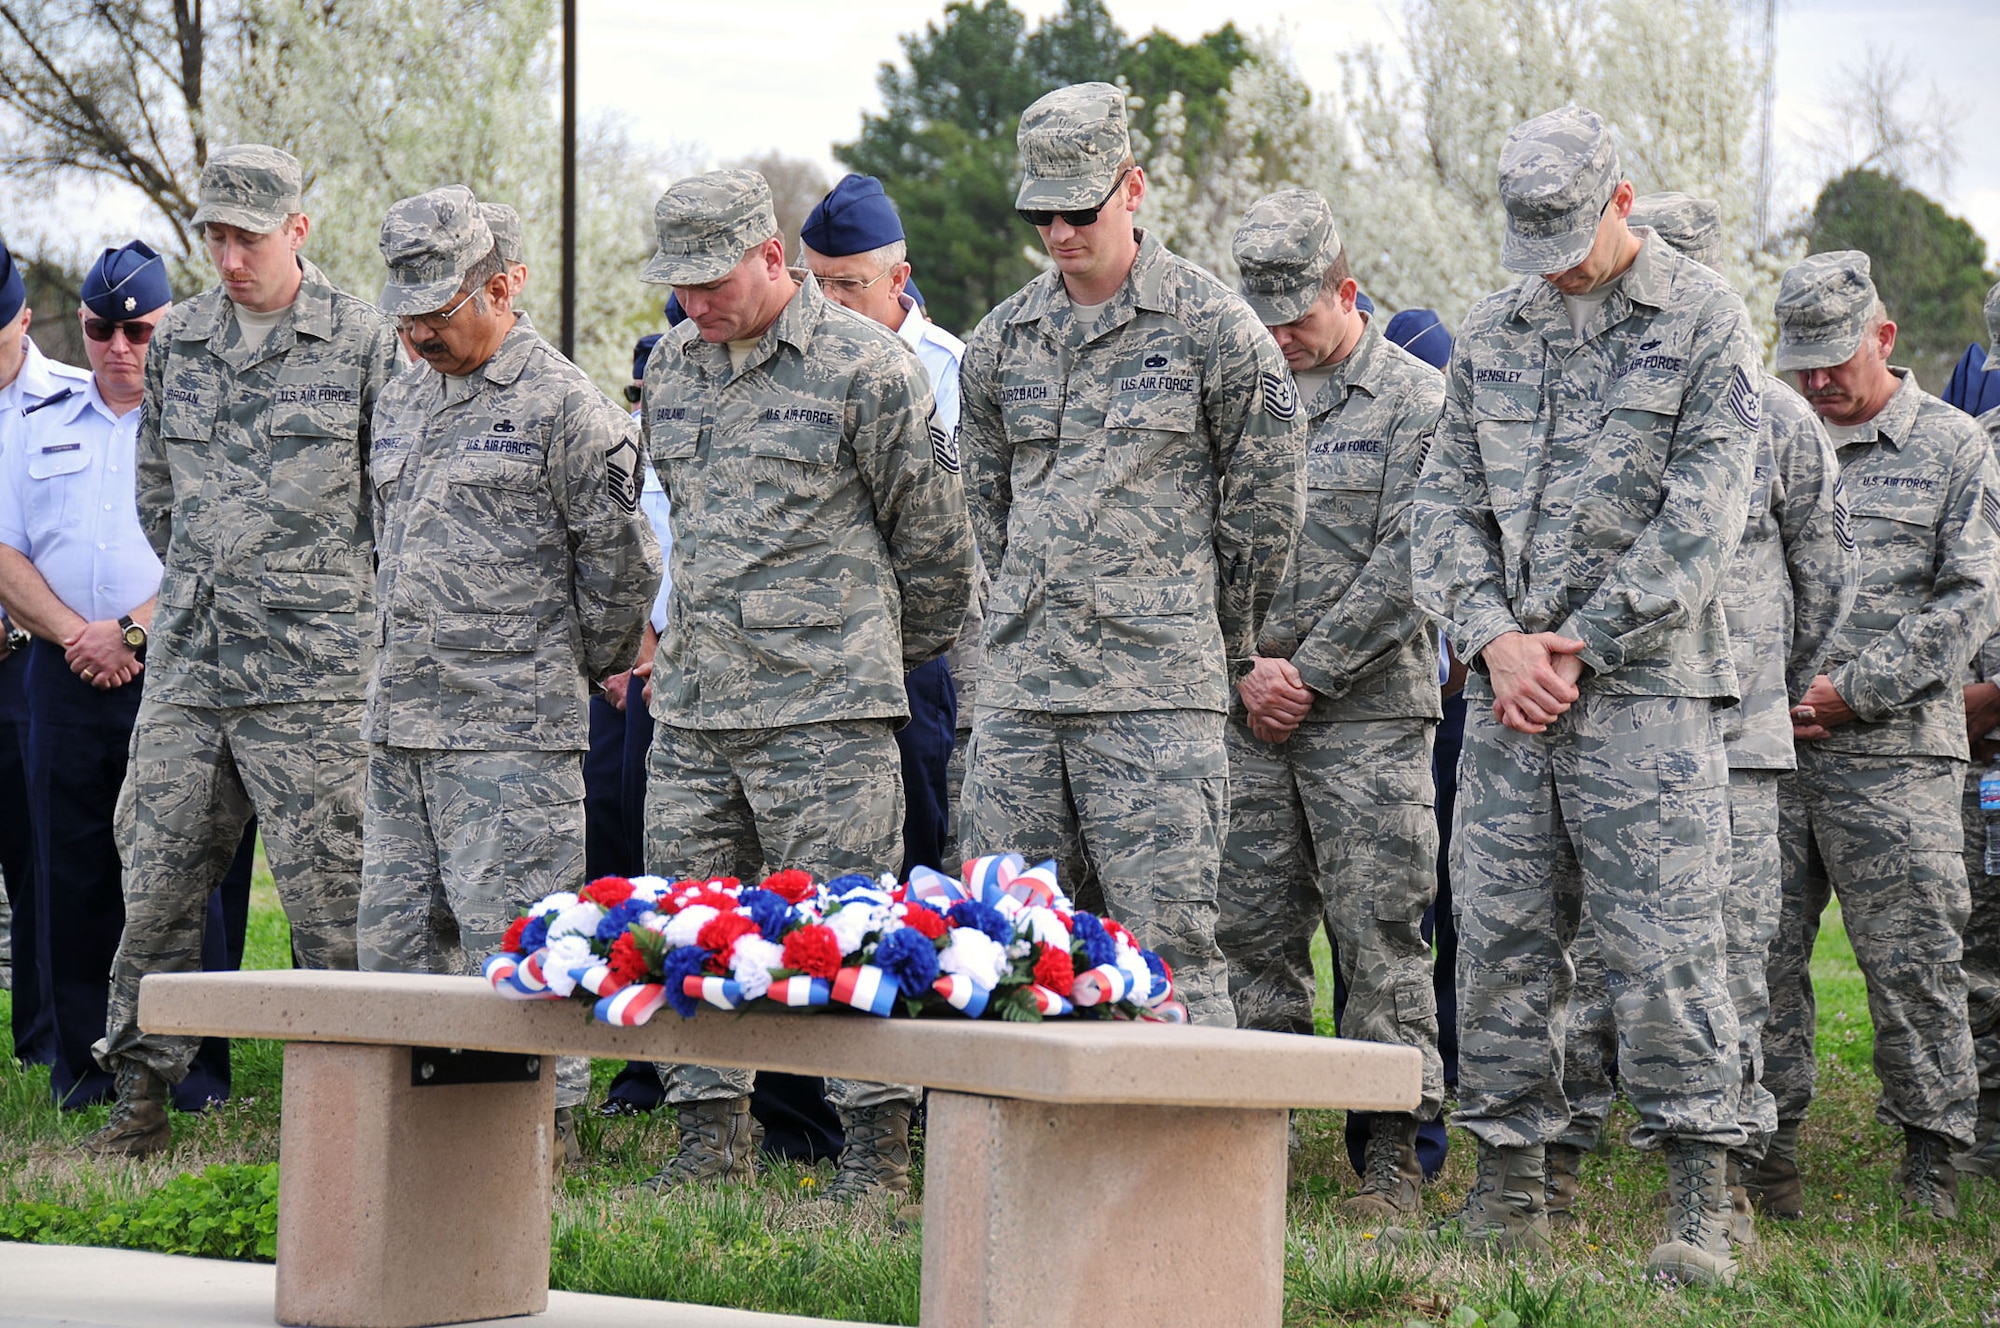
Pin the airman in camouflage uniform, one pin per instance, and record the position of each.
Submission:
(515, 575)
(1982, 927)
(250, 488)
(1790, 586)
(821, 551)
(1587, 488)
(1871, 811)
(1330, 804)
(1135, 448)
(509, 241)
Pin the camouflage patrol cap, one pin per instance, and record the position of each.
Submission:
(1823, 307)
(706, 223)
(251, 186)
(1993, 326)
(1557, 172)
(508, 238)
(1072, 142)
(1691, 225)
(430, 242)
(1282, 250)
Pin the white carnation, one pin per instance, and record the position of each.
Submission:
(751, 962)
(852, 923)
(567, 954)
(1046, 927)
(1136, 972)
(556, 902)
(973, 954)
(579, 919)
(687, 925)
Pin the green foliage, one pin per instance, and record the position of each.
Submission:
(1337, 1281)
(226, 1212)
(1929, 266)
(944, 143)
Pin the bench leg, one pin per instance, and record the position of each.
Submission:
(1037, 1214)
(400, 1206)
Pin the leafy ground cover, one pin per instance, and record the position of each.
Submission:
(777, 1247)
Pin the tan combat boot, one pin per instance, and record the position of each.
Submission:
(1564, 1165)
(1774, 1188)
(1505, 1210)
(1698, 1216)
(1928, 1182)
(1392, 1181)
(565, 1151)
(876, 1159)
(1742, 1226)
(138, 1125)
(717, 1146)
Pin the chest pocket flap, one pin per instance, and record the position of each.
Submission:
(47, 461)
(1334, 462)
(321, 400)
(672, 433)
(1914, 499)
(1505, 402)
(766, 610)
(497, 471)
(807, 434)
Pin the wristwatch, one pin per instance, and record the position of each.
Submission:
(135, 635)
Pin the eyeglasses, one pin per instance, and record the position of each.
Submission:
(101, 329)
(851, 285)
(633, 392)
(435, 322)
(1087, 217)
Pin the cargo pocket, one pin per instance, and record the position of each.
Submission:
(486, 667)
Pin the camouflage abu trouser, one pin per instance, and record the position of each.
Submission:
(825, 798)
(454, 846)
(196, 777)
(1335, 823)
(1884, 833)
(954, 781)
(1982, 943)
(1140, 798)
(1750, 920)
(1618, 813)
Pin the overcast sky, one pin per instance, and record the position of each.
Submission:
(796, 75)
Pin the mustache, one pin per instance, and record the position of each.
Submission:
(429, 347)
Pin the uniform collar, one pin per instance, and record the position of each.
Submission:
(40, 377)
(1361, 371)
(211, 315)
(912, 330)
(1898, 417)
(794, 326)
(502, 368)
(1144, 288)
(1650, 282)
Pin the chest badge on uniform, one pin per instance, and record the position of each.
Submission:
(1156, 361)
(503, 426)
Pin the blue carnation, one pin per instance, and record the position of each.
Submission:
(771, 911)
(1158, 968)
(908, 956)
(617, 919)
(841, 885)
(536, 934)
(983, 917)
(684, 962)
(1098, 947)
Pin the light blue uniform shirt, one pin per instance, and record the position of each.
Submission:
(659, 510)
(940, 351)
(67, 503)
(40, 378)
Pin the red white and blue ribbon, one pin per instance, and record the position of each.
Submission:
(866, 988)
(963, 994)
(800, 991)
(1097, 986)
(935, 887)
(630, 1006)
(723, 993)
(1049, 1003)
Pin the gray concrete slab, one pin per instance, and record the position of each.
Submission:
(68, 1286)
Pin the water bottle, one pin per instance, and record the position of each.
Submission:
(1989, 811)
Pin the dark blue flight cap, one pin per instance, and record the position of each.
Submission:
(910, 289)
(125, 283)
(1422, 333)
(13, 291)
(643, 352)
(675, 314)
(855, 217)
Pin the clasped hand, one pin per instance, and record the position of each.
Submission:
(1534, 678)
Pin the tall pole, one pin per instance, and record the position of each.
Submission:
(1767, 91)
(569, 181)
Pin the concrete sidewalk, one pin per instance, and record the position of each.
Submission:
(43, 1286)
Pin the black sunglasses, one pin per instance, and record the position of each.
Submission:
(101, 329)
(1087, 217)
(633, 392)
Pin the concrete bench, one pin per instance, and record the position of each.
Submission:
(1075, 1171)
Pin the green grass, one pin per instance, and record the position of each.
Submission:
(773, 1247)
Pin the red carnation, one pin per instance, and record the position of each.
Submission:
(627, 965)
(511, 942)
(714, 899)
(607, 891)
(1054, 970)
(1116, 930)
(813, 950)
(722, 931)
(792, 884)
(925, 919)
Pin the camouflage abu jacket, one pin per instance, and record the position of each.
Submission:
(517, 569)
(1596, 486)
(250, 464)
(1925, 497)
(1137, 490)
(1792, 581)
(821, 548)
(1344, 616)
